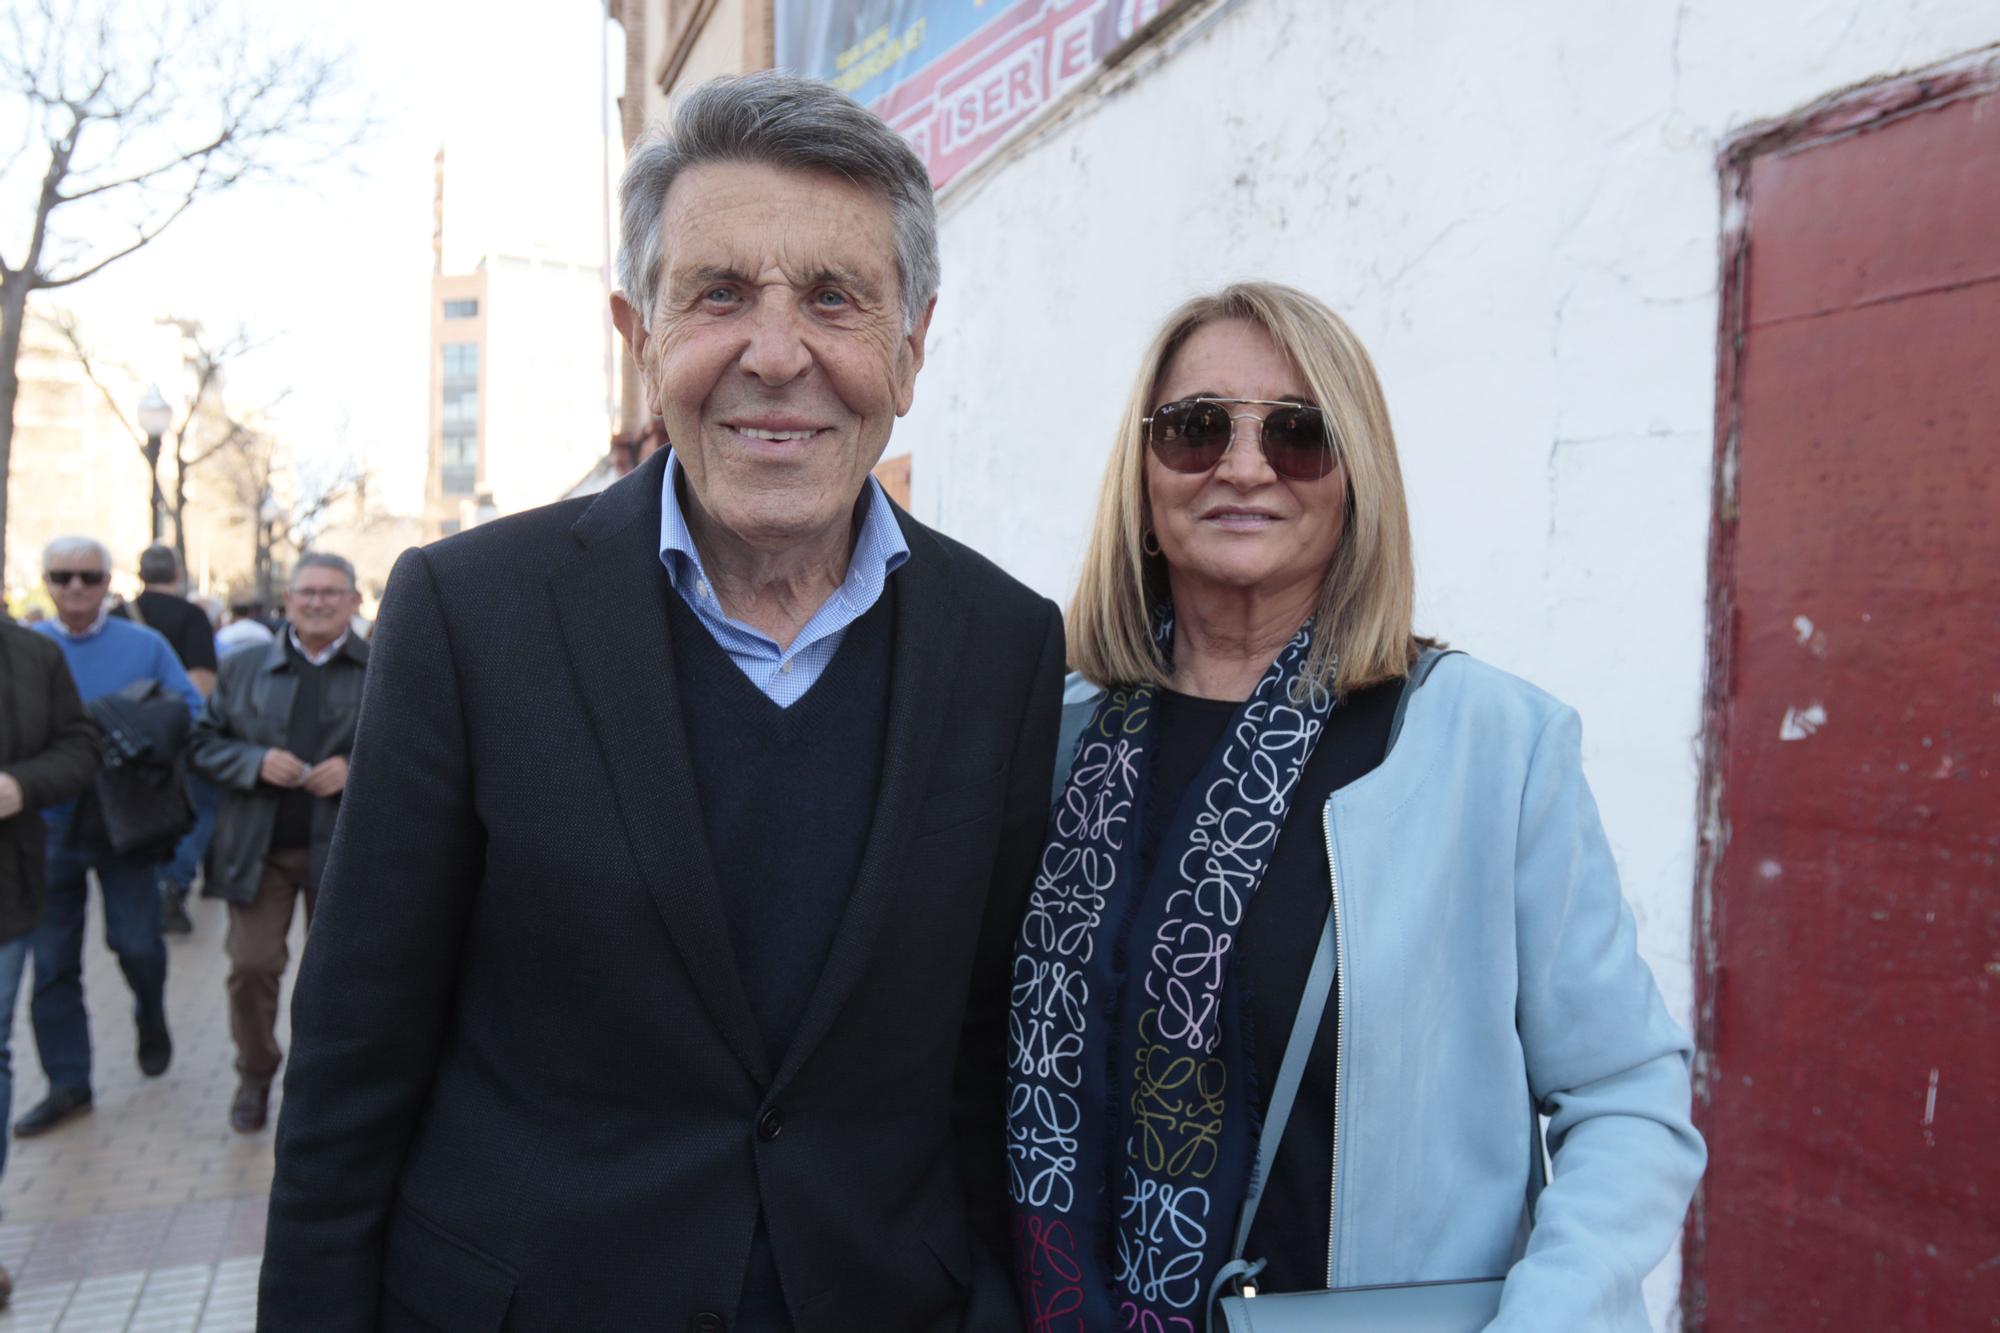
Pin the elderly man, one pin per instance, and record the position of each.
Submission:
(162, 606)
(48, 754)
(660, 973)
(275, 737)
(105, 654)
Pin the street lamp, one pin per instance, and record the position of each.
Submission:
(154, 418)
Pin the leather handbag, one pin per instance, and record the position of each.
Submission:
(1235, 1304)
(1418, 1307)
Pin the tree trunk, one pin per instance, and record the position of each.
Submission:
(13, 315)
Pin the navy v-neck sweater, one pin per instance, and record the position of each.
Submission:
(787, 798)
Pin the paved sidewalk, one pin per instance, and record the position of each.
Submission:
(147, 1212)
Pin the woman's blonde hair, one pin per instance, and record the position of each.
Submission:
(1363, 617)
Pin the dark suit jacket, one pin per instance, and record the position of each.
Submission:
(526, 1089)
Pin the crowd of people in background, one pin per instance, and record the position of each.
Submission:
(159, 747)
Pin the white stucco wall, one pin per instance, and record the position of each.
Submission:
(1517, 208)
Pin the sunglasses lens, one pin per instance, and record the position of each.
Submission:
(89, 578)
(1296, 443)
(1190, 436)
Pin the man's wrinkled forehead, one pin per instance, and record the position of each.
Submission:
(749, 222)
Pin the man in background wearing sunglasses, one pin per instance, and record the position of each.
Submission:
(105, 654)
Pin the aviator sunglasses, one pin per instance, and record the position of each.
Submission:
(62, 578)
(1193, 434)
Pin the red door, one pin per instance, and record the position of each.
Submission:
(1849, 926)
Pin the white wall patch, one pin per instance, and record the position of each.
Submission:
(1800, 723)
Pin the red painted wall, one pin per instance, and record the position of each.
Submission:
(1851, 1089)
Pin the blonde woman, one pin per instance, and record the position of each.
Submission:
(1272, 771)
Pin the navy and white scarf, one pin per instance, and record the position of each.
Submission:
(1131, 1124)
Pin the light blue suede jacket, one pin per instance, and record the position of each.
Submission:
(1488, 968)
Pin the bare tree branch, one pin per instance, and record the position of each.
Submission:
(65, 323)
(134, 123)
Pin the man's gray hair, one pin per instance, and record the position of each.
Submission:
(64, 548)
(159, 564)
(327, 560)
(779, 120)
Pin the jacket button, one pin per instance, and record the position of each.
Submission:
(770, 1124)
(707, 1322)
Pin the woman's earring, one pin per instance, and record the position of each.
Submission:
(1148, 542)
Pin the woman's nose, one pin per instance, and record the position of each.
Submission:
(1243, 462)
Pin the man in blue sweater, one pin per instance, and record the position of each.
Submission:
(105, 653)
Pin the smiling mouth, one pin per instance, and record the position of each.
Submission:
(1239, 518)
(777, 436)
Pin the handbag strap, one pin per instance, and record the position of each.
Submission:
(1305, 1027)
(1291, 1070)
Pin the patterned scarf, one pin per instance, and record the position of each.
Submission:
(1130, 1117)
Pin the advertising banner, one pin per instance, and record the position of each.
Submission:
(954, 76)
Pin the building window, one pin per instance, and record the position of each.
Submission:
(461, 362)
(461, 405)
(460, 458)
(461, 309)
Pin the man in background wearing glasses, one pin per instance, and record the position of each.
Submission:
(275, 737)
(105, 654)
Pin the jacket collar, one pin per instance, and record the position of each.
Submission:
(611, 599)
(278, 657)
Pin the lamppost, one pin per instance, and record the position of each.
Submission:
(154, 418)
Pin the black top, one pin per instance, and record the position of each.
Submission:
(1274, 951)
(184, 625)
(302, 738)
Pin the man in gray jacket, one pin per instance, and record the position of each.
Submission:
(275, 737)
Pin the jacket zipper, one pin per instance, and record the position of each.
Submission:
(1339, 1042)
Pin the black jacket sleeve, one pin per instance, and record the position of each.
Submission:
(375, 985)
(62, 771)
(217, 749)
(979, 1096)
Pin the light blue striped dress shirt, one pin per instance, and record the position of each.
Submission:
(784, 674)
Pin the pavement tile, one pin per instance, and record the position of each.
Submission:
(146, 1215)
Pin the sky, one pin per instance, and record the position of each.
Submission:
(335, 271)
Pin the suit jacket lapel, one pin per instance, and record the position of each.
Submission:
(612, 604)
(929, 628)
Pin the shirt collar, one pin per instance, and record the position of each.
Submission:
(324, 655)
(879, 547)
(96, 626)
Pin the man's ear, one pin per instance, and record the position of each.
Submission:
(625, 316)
(912, 359)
